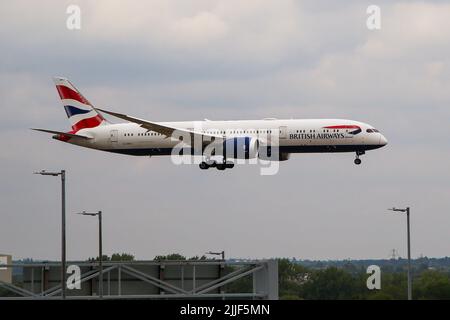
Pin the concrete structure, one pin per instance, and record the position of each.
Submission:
(5, 272)
(207, 279)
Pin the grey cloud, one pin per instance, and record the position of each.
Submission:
(173, 60)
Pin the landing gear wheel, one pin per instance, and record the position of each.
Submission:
(229, 165)
(357, 161)
(211, 163)
(220, 166)
(203, 165)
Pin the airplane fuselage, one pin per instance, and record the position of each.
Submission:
(295, 136)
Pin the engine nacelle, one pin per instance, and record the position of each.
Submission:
(284, 156)
(240, 148)
(273, 154)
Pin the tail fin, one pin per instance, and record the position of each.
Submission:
(79, 110)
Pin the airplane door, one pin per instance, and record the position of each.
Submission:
(114, 137)
(283, 132)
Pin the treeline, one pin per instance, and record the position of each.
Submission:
(297, 282)
(130, 257)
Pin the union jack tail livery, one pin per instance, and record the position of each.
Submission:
(79, 110)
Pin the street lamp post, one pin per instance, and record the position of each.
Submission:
(62, 173)
(222, 254)
(406, 210)
(100, 249)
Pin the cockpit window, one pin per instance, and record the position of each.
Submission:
(372, 130)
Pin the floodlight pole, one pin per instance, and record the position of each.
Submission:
(407, 211)
(63, 233)
(62, 173)
(409, 257)
(100, 249)
(222, 253)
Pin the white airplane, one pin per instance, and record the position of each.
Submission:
(242, 139)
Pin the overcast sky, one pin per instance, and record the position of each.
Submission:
(189, 60)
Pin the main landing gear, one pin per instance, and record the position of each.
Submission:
(358, 160)
(214, 164)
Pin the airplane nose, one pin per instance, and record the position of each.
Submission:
(383, 140)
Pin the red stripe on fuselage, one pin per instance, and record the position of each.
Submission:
(67, 93)
(87, 123)
(343, 127)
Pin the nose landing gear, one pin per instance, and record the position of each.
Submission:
(358, 160)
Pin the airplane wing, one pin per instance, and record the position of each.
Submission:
(165, 130)
(71, 135)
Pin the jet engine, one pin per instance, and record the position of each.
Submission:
(272, 154)
(240, 148)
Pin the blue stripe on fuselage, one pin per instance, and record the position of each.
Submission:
(287, 149)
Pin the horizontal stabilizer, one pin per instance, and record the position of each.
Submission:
(66, 134)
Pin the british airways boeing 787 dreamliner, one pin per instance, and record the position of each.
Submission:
(241, 139)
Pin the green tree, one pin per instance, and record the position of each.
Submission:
(393, 287)
(291, 277)
(432, 284)
(172, 256)
(198, 258)
(115, 257)
(177, 256)
(331, 284)
(122, 257)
